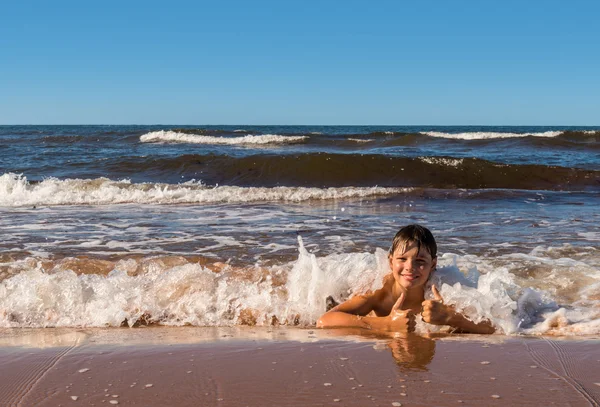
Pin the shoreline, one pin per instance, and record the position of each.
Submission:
(250, 366)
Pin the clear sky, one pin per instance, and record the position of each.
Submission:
(300, 62)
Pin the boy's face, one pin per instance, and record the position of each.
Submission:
(410, 266)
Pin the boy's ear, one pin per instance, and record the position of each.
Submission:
(434, 264)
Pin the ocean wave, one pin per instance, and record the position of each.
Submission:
(364, 170)
(331, 170)
(179, 291)
(15, 190)
(378, 134)
(176, 137)
(489, 135)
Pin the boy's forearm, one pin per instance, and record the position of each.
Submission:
(333, 319)
(465, 325)
(343, 319)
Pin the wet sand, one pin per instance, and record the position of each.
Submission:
(291, 367)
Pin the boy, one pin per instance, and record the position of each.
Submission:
(412, 258)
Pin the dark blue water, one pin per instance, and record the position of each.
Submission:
(116, 152)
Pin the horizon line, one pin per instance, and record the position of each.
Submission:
(310, 125)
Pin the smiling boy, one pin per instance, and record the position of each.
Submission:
(412, 259)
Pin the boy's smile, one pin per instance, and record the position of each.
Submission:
(410, 266)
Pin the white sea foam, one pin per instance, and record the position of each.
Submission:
(450, 162)
(293, 293)
(188, 294)
(15, 190)
(163, 136)
(488, 135)
(592, 236)
(361, 140)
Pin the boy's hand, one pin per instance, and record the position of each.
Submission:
(401, 320)
(434, 311)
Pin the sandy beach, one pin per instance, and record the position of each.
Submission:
(291, 367)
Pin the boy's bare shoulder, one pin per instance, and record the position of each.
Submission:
(381, 299)
(377, 301)
(380, 296)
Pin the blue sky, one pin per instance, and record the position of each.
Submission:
(309, 62)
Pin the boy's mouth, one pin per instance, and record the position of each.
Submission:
(410, 277)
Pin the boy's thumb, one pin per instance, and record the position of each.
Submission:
(436, 293)
(399, 302)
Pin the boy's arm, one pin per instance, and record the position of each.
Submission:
(352, 313)
(348, 314)
(437, 313)
(464, 325)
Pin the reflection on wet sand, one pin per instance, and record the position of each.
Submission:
(410, 351)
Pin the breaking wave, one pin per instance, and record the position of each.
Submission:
(489, 135)
(179, 291)
(15, 190)
(176, 137)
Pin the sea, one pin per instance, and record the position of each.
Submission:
(172, 225)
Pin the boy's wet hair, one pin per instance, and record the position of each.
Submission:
(415, 234)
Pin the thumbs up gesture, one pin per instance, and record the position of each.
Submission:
(435, 311)
(400, 320)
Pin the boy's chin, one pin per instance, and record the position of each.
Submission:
(410, 283)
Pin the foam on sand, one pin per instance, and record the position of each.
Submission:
(15, 190)
(163, 136)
